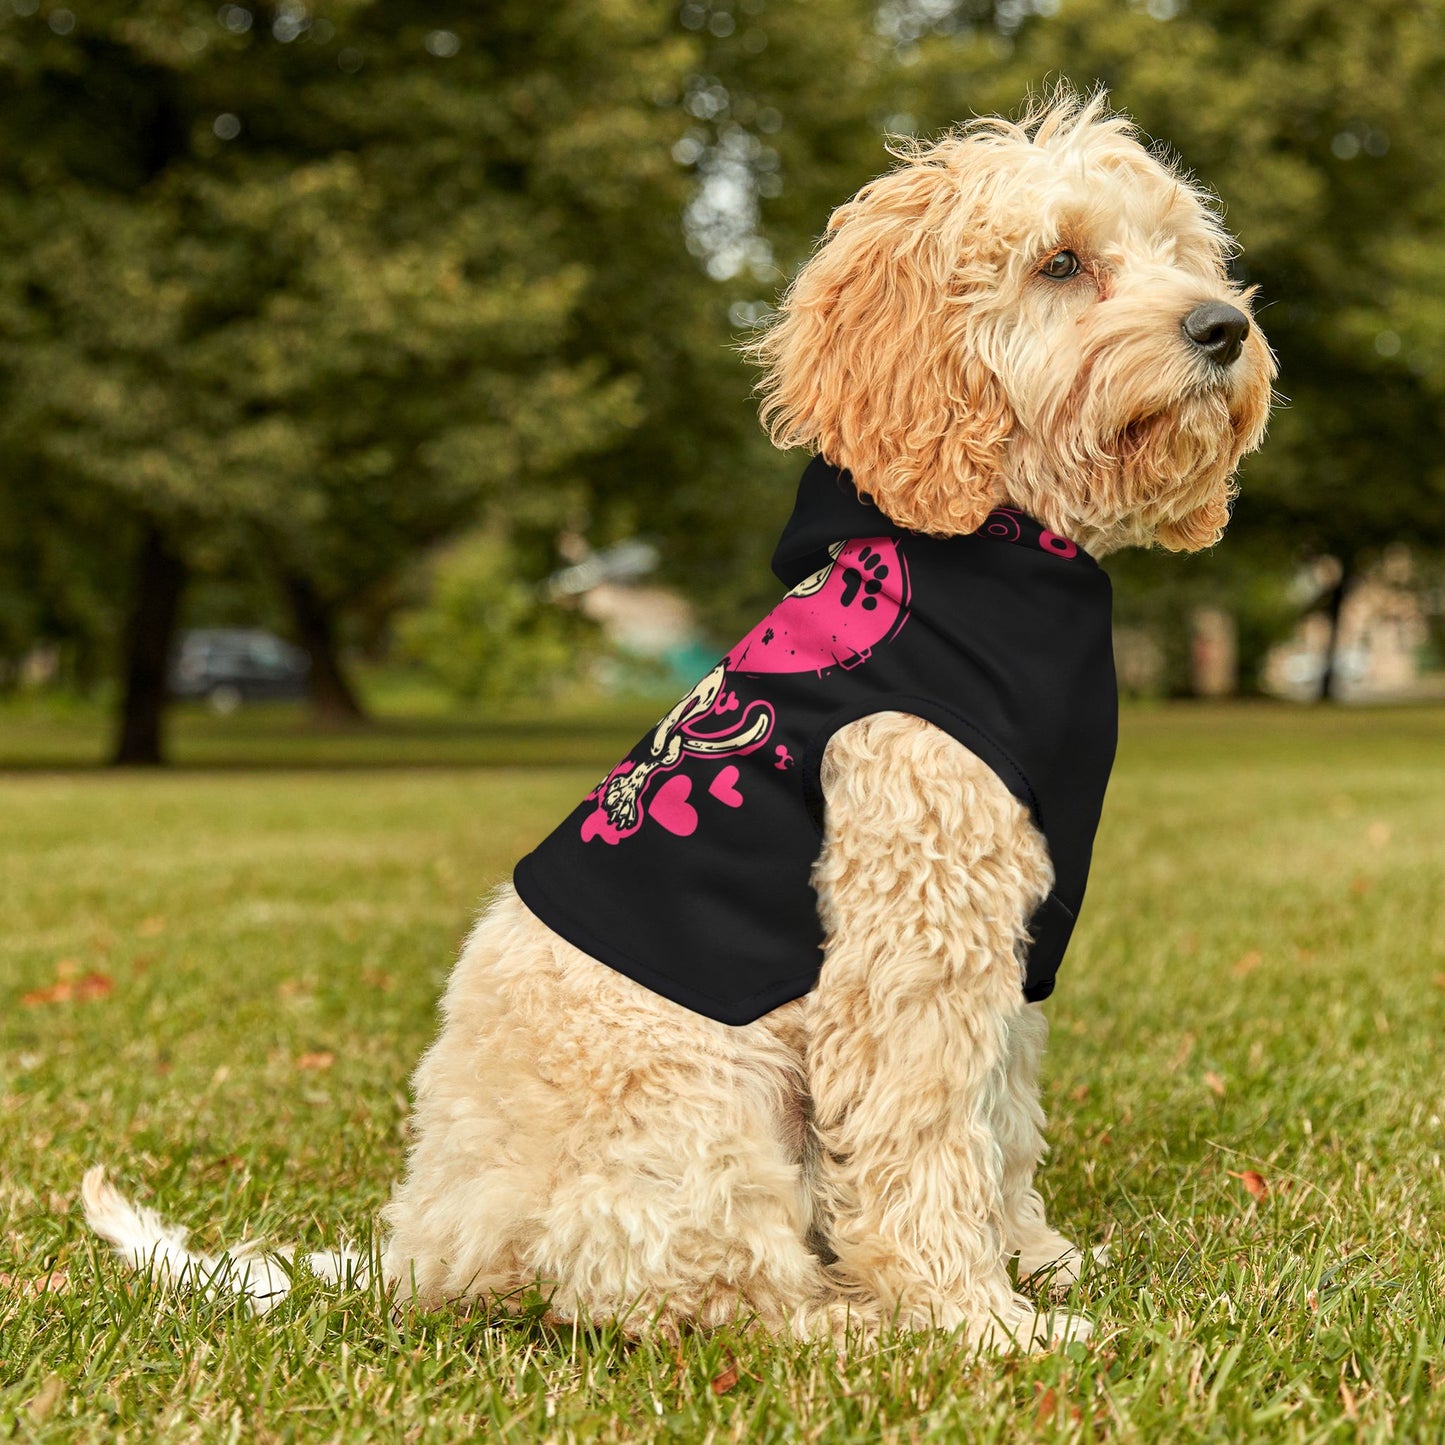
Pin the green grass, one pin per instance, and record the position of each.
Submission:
(1257, 985)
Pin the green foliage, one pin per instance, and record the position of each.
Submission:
(322, 287)
(319, 288)
(304, 297)
(486, 633)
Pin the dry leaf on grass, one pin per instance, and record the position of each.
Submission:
(1378, 834)
(1255, 1184)
(1247, 963)
(1348, 1400)
(151, 927)
(322, 1059)
(67, 990)
(56, 1282)
(1214, 1083)
(726, 1379)
(1046, 1407)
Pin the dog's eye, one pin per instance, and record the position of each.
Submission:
(1060, 266)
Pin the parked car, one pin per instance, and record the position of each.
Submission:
(230, 665)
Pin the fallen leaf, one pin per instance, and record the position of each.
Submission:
(322, 1059)
(295, 987)
(91, 986)
(724, 1382)
(377, 978)
(1360, 885)
(1247, 963)
(1080, 1094)
(1214, 1083)
(1440, 980)
(151, 927)
(56, 993)
(1254, 1183)
(1378, 834)
(67, 968)
(56, 1282)
(1046, 1408)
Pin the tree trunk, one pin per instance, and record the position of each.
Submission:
(160, 578)
(333, 699)
(1329, 674)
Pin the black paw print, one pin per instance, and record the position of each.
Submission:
(870, 579)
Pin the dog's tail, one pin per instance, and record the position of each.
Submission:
(147, 1243)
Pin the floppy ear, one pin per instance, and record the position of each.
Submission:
(872, 361)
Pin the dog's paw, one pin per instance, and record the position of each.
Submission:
(1023, 1326)
(1058, 1270)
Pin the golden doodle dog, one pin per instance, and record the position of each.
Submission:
(672, 1104)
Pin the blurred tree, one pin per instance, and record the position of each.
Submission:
(306, 282)
(781, 112)
(487, 634)
(330, 283)
(327, 284)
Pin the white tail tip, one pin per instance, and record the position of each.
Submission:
(147, 1243)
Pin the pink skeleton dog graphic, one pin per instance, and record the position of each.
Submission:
(835, 618)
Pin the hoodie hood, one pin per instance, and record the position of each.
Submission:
(829, 508)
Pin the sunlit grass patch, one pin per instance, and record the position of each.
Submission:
(1244, 1088)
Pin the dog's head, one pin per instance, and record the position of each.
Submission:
(1035, 313)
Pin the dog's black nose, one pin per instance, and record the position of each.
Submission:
(1218, 330)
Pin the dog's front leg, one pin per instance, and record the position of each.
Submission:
(929, 872)
(1042, 1251)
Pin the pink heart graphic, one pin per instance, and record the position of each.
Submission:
(724, 787)
(670, 807)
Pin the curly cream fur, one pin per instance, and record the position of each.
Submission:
(577, 1133)
(866, 1154)
(921, 348)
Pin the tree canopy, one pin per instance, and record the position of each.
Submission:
(307, 289)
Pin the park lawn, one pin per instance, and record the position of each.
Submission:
(1254, 1005)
